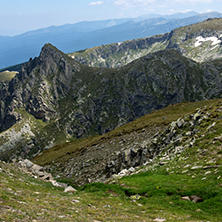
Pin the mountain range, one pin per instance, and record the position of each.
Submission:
(199, 42)
(74, 37)
(55, 99)
(140, 140)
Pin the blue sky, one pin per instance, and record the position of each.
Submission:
(18, 16)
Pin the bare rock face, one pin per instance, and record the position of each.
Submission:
(79, 101)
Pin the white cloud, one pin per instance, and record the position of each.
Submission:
(132, 3)
(96, 3)
(194, 1)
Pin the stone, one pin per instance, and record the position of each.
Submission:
(75, 201)
(70, 189)
(196, 199)
(124, 172)
(197, 116)
(196, 167)
(36, 167)
(180, 123)
(189, 133)
(198, 210)
(115, 176)
(185, 198)
(159, 220)
(212, 125)
(218, 138)
(162, 163)
(210, 167)
(28, 163)
(127, 155)
(131, 170)
(47, 176)
(54, 183)
(63, 185)
(39, 173)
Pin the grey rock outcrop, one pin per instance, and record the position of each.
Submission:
(37, 171)
(123, 155)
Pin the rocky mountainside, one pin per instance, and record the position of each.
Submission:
(170, 162)
(199, 42)
(56, 99)
(155, 139)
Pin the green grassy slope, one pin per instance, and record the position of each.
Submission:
(155, 192)
(23, 198)
(6, 76)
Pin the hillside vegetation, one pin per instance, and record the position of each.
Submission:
(159, 191)
(131, 145)
(6, 76)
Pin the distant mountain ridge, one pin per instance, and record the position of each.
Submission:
(200, 42)
(70, 38)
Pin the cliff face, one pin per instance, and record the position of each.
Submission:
(68, 100)
(38, 87)
(199, 42)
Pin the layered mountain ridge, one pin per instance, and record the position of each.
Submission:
(73, 37)
(199, 42)
(55, 92)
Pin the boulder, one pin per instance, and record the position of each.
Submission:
(131, 170)
(185, 198)
(28, 163)
(196, 199)
(70, 189)
(180, 123)
(124, 172)
(47, 176)
(36, 167)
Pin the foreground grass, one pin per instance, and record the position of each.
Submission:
(145, 196)
(154, 193)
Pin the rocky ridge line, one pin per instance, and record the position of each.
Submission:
(199, 42)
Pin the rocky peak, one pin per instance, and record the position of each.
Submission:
(79, 101)
(41, 83)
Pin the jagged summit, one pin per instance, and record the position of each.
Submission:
(48, 50)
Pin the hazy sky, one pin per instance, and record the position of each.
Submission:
(18, 16)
